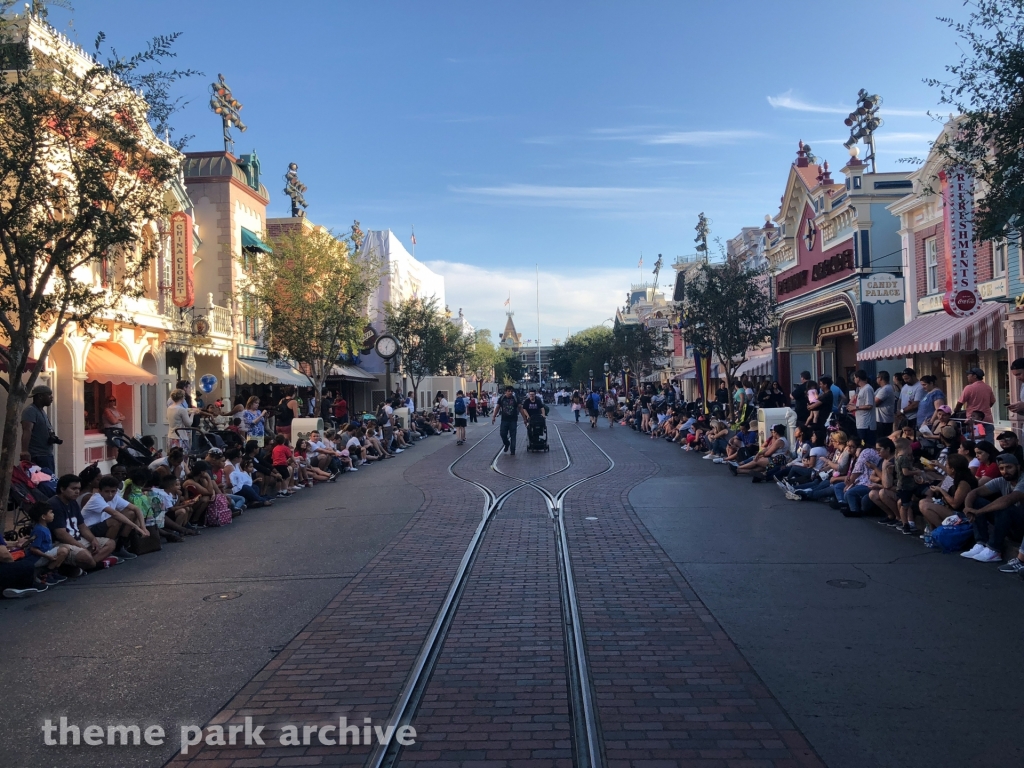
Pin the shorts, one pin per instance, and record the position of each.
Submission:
(76, 552)
(282, 470)
(100, 528)
(592, 412)
(609, 409)
(460, 421)
(645, 412)
(905, 496)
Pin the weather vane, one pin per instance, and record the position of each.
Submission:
(227, 106)
(294, 189)
(863, 122)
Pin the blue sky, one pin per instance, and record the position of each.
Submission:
(571, 135)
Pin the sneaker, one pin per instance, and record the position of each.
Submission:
(988, 556)
(75, 572)
(719, 460)
(733, 463)
(783, 485)
(505, 449)
(13, 594)
(708, 456)
(399, 450)
(351, 469)
(758, 478)
(124, 554)
(909, 530)
(896, 523)
(733, 468)
(1015, 565)
(794, 496)
(970, 553)
(886, 521)
(55, 578)
(110, 562)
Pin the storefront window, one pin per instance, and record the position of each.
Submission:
(931, 261)
(999, 259)
(96, 395)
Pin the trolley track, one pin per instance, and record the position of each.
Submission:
(586, 738)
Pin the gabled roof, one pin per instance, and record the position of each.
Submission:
(510, 331)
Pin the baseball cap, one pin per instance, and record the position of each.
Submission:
(42, 389)
(945, 409)
(1005, 435)
(1007, 458)
(977, 372)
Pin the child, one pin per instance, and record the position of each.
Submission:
(308, 472)
(236, 426)
(50, 558)
(138, 491)
(241, 485)
(977, 417)
(283, 460)
(167, 494)
(906, 483)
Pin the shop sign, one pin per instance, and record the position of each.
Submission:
(369, 339)
(881, 288)
(962, 298)
(658, 322)
(792, 283)
(182, 282)
(838, 263)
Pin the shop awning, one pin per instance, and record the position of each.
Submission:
(760, 365)
(251, 240)
(939, 332)
(258, 372)
(103, 365)
(692, 375)
(351, 373)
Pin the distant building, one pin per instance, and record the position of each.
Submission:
(405, 277)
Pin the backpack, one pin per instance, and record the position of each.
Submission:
(218, 513)
(460, 406)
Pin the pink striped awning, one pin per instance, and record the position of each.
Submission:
(758, 365)
(940, 332)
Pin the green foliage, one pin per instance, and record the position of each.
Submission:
(309, 297)
(583, 352)
(484, 355)
(82, 171)
(638, 346)
(508, 367)
(985, 87)
(727, 311)
(431, 344)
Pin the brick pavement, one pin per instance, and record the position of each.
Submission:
(671, 688)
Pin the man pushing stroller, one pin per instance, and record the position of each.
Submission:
(534, 412)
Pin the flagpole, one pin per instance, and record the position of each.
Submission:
(540, 376)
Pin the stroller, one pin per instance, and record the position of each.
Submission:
(537, 436)
(130, 451)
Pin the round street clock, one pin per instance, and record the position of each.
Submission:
(386, 346)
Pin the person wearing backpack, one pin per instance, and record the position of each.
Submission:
(508, 408)
(461, 406)
(472, 408)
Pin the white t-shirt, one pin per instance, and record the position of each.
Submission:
(353, 442)
(819, 453)
(94, 510)
(911, 393)
(239, 479)
(316, 447)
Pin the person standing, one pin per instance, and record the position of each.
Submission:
(461, 407)
(1017, 370)
(37, 435)
(910, 396)
(800, 397)
(863, 409)
(508, 408)
(885, 405)
(977, 395)
(472, 408)
(340, 410)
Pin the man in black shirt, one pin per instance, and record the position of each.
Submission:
(822, 408)
(800, 397)
(508, 408)
(68, 527)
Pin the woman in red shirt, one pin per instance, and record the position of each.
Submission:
(986, 453)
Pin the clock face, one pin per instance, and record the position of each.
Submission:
(387, 346)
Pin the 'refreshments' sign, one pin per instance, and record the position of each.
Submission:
(182, 291)
(961, 298)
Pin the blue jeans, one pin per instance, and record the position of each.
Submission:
(991, 529)
(251, 495)
(818, 489)
(236, 502)
(854, 497)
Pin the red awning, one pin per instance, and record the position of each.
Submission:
(104, 365)
(940, 332)
(3, 360)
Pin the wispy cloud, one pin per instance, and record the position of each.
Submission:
(564, 298)
(788, 101)
(564, 196)
(658, 135)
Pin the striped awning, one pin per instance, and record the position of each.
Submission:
(716, 373)
(759, 365)
(351, 373)
(940, 332)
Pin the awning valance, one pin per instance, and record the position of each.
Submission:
(258, 372)
(716, 373)
(103, 365)
(759, 365)
(251, 240)
(940, 332)
(351, 373)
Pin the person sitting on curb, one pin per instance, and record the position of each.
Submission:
(68, 527)
(41, 550)
(993, 509)
(110, 516)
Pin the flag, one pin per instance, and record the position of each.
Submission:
(641, 264)
(509, 299)
(414, 236)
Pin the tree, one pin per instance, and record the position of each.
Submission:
(986, 89)
(727, 311)
(508, 367)
(585, 351)
(484, 355)
(638, 346)
(82, 170)
(431, 343)
(309, 296)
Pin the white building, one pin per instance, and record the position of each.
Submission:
(404, 277)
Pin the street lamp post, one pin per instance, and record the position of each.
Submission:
(607, 379)
(479, 375)
(591, 379)
(626, 381)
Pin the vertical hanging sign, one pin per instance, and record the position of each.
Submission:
(182, 292)
(961, 298)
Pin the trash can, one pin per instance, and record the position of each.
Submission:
(302, 427)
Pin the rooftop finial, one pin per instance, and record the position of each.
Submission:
(295, 189)
(227, 106)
